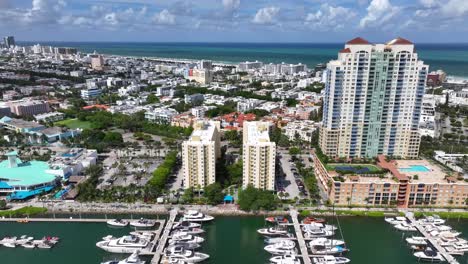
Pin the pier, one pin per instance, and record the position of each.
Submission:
(163, 239)
(300, 237)
(450, 259)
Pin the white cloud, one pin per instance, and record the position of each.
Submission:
(266, 15)
(378, 12)
(330, 17)
(42, 12)
(164, 18)
(428, 3)
(231, 5)
(455, 8)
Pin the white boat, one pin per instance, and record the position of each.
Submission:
(281, 247)
(406, 227)
(185, 224)
(44, 245)
(417, 241)
(439, 228)
(448, 241)
(313, 233)
(148, 235)
(185, 238)
(28, 245)
(285, 259)
(8, 240)
(190, 231)
(459, 246)
(452, 233)
(395, 220)
(322, 241)
(429, 255)
(329, 259)
(185, 245)
(327, 250)
(143, 223)
(196, 216)
(436, 220)
(315, 226)
(9, 245)
(23, 240)
(132, 259)
(274, 240)
(189, 256)
(273, 231)
(117, 222)
(125, 244)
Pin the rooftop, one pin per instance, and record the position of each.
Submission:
(203, 131)
(257, 132)
(26, 173)
(358, 41)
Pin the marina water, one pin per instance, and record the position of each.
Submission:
(229, 240)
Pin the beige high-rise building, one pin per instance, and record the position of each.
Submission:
(199, 154)
(259, 156)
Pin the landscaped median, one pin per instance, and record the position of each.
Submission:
(27, 211)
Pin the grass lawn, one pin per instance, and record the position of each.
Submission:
(371, 167)
(23, 212)
(74, 123)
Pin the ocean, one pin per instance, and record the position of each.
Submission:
(452, 58)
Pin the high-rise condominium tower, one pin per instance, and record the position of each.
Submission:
(199, 154)
(372, 103)
(259, 156)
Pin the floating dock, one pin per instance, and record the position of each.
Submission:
(300, 237)
(165, 235)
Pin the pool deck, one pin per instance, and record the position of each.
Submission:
(434, 175)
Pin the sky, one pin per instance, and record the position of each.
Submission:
(234, 20)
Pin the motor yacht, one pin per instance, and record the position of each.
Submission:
(327, 250)
(23, 240)
(452, 233)
(313, 233)
(185, 238)
(117, 223)
(417, 241)
(8, 240)
(148, 235)
(281, 247)
(143, 223)
(132, 259)
(274, 240)
(189, 256)
(395, 220)
(185, 224)
(196, 216)
(277, 220)
(315, 226)
(273, 231)
(190, 231)
(329, 259)
(28, 245)
(322, 241)
(190, 246)
(125, 244)
(448, 241)
(439, 228)
(435, 220)
(9, 245)
(309, 220)
(285, 259)
(406, 227)
(44, 245)
(429, 255)
(459, 246)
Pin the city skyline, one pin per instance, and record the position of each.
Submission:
(234, 20)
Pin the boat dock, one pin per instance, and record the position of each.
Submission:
(300, 237)
(450, 259)
(163, 239)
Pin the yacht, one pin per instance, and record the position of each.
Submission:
(285, 259)
(273, 231)
(9, 245)
(417, 241)
(327, 250)
(148, 235)
(185, 238)
(448, 241)
(452, 233)
(435, 220)
(277, 220)
(189, 256)
(190, 246)
(190, 231)
(329, 259)
(459, 246)
(395, 220)
(143, 223)
(23, 240)
(313, 233)
(133, 259)
(309, 220)
(8, 240)
(44, 245)
(315, 226)
(326, 242)
(125, 244)
(185, 224)
(439, 228)
(429, 255)
(274, 240)
(28, 245)
(196, 216)
(117, 222)
(406, 227)
(281, 247)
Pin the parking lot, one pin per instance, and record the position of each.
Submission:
(288, 183)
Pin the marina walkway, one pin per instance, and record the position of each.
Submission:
(450, 259)
(163, 239)
(300, 237)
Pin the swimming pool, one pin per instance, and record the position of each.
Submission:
(415, 168)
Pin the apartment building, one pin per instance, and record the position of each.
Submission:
(259, 156)
(199, 154)
(29, 107)
(372, 102)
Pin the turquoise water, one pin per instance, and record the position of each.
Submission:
(452, 58)
(415, 168)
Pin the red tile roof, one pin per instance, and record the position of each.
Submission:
(358, 41)
(347, 50)
(400, 41)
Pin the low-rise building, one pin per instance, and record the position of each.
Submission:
(72, 162)
(28, 107)
(50, 117)
(91, 93)
(160, 115)
(301, 129)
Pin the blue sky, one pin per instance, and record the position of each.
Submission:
(234, 20)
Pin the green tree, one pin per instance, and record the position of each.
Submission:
(214, 193)
(294, 151)
(252, 199)
(152, 99)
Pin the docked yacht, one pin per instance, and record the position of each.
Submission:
(451, 233)
(23, 240)
(117, 223)
(281, 247)
(309, 220)
(395, 220)
(406, 227)
(125, 244)
(313, 233)
(196, 216)
(273, 231)
(190, 231)
(322, 241)
(185, 224)
(185, 238)
(8, 240)
(28, 245)
(458, 247)
(44, 245)
(274, 240)
(9, 245)
(315, 226)
(190, 246)
(435, 220)
(285, 259)
(429, 255)
(327, 250)
(417, 241)
(189, 256)
(143, 223)
(133, 259)
(329, 259)
(277, 220)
